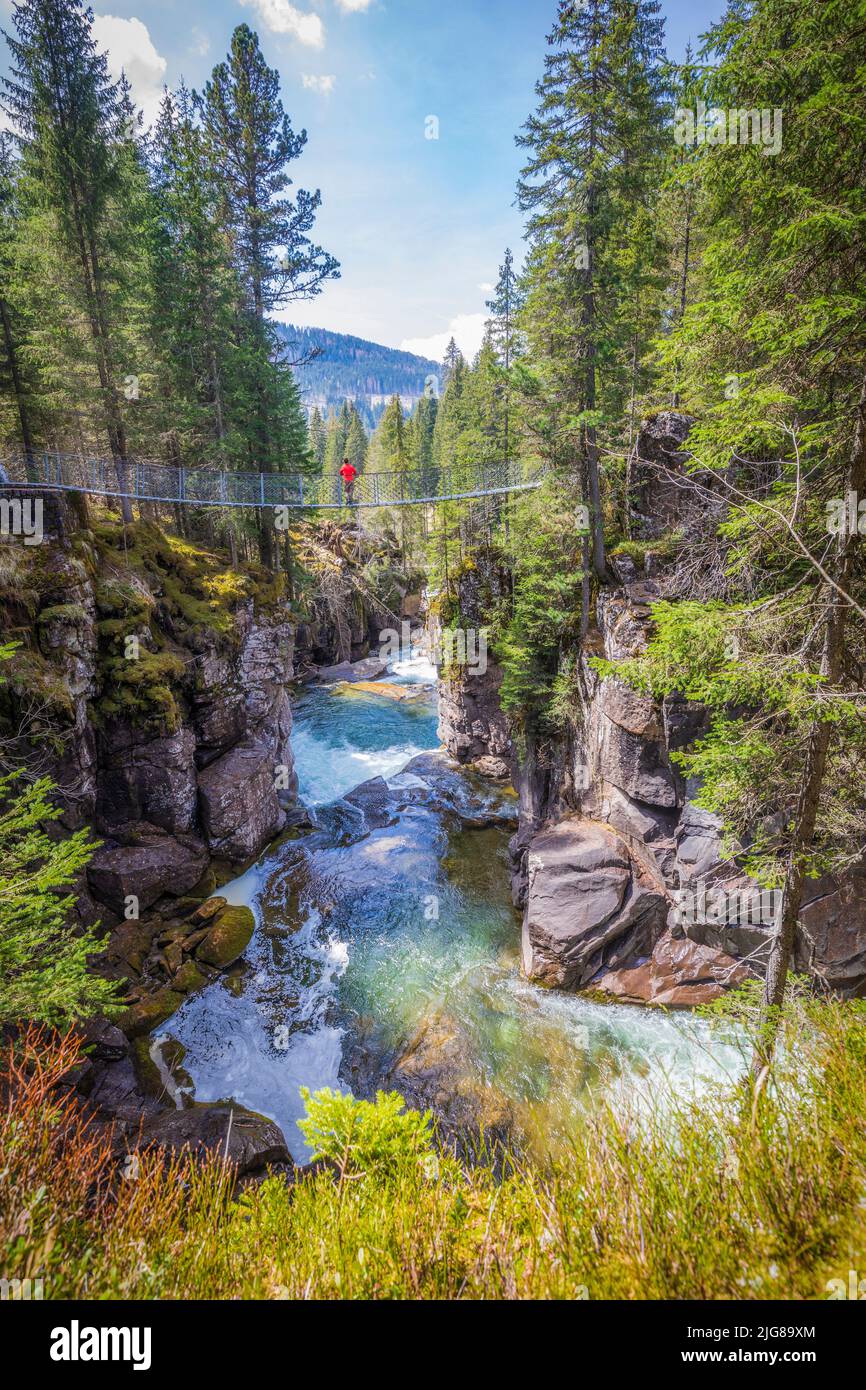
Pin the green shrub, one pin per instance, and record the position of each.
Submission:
(363, 1137)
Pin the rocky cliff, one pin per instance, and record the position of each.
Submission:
(622, 879)
(472, 725)
(152, 684)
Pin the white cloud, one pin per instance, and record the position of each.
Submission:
(485, 288)
(467, 330)
(324, 84)
(351, 6)
(282, 18)
(200, 42)
(130, 50)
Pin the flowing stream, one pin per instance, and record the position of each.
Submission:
(391, 935)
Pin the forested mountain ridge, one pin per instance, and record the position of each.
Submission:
(354, 369)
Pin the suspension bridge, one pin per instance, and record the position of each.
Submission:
(207, 487)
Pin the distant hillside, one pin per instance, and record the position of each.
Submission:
(353, 369)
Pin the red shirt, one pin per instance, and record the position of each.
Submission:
(348, 473)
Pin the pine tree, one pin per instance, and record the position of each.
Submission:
(252, 144)
(318, 437)
(421, 441)
(357, 442)
(195, 292)
(13, 373)
(338, 434)
(504, 308)
(774, 356)
(43, 959)
(76, 140)
(594, 147)
(390, 443)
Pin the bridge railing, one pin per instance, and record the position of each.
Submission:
(209, 487)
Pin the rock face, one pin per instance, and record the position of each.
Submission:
(658, 503)
(609, 839)
(678, 975)
(239, 805)
(832, 939)
(588, 904)
(471, 723)
(205, 769)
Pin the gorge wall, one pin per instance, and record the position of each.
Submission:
(151, 682)
(623, 880)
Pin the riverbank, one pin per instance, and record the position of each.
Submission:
(701, 1202)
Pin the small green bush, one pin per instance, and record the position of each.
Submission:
(363, 1137)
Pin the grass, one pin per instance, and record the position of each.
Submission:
(736, 1197)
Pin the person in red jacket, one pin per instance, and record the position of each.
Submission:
(348, 473)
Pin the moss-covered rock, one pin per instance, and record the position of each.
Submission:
(149, 1012)
(188, 978)
(207, 910)
(228, 938)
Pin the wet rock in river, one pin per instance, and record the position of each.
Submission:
(228, 938)
(678, 975)
(366, 670)
(251, 1142)
(385, 689)
(587, 900)
(149, 1012)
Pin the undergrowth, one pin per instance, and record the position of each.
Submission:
(735, 1196)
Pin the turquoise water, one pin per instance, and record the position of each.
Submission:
(405, 934)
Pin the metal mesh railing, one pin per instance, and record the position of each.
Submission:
(207, 487)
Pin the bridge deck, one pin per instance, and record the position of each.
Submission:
(206, 487)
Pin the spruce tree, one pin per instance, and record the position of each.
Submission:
(195, 292)
(593, 151)
(14, 381)
(505, 336)
(75, 143)
(252, 144)
(318, 437)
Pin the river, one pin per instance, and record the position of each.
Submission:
(387, 932)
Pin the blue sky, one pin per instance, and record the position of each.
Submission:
(418, 224)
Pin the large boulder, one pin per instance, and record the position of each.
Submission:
(678, 975)
(148, 870)
(588, 904)
(240, 808)
(252, 1142)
